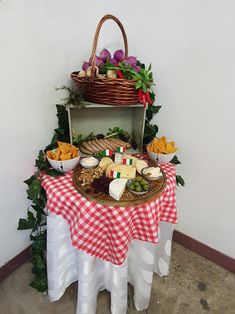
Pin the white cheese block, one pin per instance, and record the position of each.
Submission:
(116, 188)
(118, 158)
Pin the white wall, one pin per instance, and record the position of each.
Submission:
(191, 46)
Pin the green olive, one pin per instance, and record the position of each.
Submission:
(146, 187)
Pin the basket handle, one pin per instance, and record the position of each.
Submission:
(96, 36)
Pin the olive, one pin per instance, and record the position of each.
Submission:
(132, 187)
(138, 189)
(146, 187)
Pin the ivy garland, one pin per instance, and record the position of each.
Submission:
(36, 215)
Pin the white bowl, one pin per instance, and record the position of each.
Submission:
(64, 165)
(150, 178)
(160, 158)
(129, 182)
(93, 165)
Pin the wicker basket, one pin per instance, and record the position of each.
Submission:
(105, 90)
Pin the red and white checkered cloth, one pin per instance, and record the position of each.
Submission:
(106, 231)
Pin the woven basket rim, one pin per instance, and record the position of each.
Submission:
(105, 79)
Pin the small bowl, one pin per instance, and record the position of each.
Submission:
(150, 178)
(64, 165)
(96, 162)
(161, 158)
(134, 192)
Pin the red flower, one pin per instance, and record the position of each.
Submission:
(119, 74)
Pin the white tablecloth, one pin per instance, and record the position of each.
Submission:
(66, 264)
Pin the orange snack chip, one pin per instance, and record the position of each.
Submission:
(64, 151)
(161, 146)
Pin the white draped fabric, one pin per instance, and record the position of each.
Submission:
(66, 264)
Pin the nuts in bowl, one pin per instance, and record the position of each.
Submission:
(138, 186)
(64, 158)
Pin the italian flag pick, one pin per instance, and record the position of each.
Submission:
(121, 149)
(127, 161)
(107, 152)
(115, 174)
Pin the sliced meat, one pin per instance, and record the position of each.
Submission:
(89, 147)
(102, 144)
(106, 144)
(98, 143)
(112, 144)
(95, 145)
(122, 143)
(84, 150)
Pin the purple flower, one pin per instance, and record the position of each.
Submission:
(113, 61)
(85, 66)
(131, 61)
(119, 55)
(136, 68)
(105, 55)
(98, 61)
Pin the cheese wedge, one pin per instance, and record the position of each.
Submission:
(105, 162)
(116, 188)
(140, 164)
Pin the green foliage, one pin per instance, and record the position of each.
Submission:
(180, 180)
(175, 160)
(36, 216)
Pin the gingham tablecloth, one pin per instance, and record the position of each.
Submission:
(106, 231)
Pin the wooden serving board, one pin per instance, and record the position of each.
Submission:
(127, 199)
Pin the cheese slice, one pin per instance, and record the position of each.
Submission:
(118, 158)
(127, 172)
(116, 188)
(105, 162)
(140, 164)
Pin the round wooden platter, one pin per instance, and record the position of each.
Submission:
(127, 199)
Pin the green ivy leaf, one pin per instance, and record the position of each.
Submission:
(30, 180)
(180, 180)
(144, 88)
(28, 223)
(155, 109)
(175, 161)
(39, 283)
(138, 84)
(41, 162)
(34, 189)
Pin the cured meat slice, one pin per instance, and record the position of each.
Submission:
(95, 145)
(106, 144)
(122, 143)
(112, 144)
(99, 144)
(84, 150)
(89, 147)
(102, 144)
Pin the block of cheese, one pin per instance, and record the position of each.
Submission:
(105, 162)
(134, 159)
(118, 158)
(116, 188)
(126, 172)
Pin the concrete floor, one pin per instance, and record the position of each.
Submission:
(194, 285)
